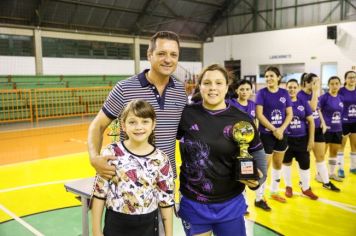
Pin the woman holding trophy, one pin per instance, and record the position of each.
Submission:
(215, 141)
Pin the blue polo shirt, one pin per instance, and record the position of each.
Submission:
(168, 107)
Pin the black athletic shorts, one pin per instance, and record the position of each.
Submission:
(120, 224)
(348, 128)
(333, 137)
(319, 136)
(297, 148)
(271, 143)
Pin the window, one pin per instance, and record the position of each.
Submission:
(12, 45)
(52, 47)
(190, 54)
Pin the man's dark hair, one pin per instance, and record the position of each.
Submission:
(162, 35)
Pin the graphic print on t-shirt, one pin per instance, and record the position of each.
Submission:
(276, 117)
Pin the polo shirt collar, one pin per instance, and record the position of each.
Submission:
(145, 83)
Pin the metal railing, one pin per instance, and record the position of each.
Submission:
(40, 104)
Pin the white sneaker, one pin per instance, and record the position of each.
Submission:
(335, 177)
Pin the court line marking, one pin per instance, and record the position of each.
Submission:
(344, 206)
(36, 185)
(72, 155)
(21, 221)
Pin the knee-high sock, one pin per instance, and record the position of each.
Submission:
(340, 160)
(287, 174)
(353, 160)
(276, 178)
(332, 165)
(260, 192)
(323, 171)
(304, 178)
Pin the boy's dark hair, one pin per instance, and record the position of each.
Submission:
(162, 35)
(142, 109)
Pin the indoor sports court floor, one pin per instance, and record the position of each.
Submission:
(36, 161)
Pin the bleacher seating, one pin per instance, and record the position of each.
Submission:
(58, 81)
(29, 98)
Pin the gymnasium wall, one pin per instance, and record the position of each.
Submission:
(307, 45)
(11, 65)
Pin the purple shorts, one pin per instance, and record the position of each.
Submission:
(226, 218)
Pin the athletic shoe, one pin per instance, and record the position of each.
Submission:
(331, 187)
(278, 198)
(263, 205)
(353, 171)
(318, 178)
(341, 173)
(308, 193)
(336, 178)
(289, 192)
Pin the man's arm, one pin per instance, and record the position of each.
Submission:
(95, 141)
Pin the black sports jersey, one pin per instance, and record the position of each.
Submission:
(208, 151)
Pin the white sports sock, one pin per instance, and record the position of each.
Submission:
(305, 178)
(323, 171)
(332, 165)
(287, 174)
(340, 160)
(245, 196)
(276, 178)
(353, 160)
(260, 192)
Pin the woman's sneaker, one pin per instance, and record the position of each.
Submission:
(331, 187)
(341, 173)
(308, 193)
(289, 192)
(263, 205)
(335, 177)
(278, 198)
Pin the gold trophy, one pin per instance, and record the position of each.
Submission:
(246, 169)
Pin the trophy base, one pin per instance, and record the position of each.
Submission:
(246, 169)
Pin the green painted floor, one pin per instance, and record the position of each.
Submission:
(67, 222)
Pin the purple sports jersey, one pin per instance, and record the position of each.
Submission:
(250, 108)
(274, 107)
(298, 127)
(307, 97)
(349, 99)
(331, 108)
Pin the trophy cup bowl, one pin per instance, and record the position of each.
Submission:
(245, 166)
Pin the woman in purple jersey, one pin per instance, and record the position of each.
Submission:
(331, 107)
(274, 113)
(310, 90)
(300, 142)
(243, 91)
(348, 97)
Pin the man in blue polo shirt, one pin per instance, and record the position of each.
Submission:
(155, 85)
